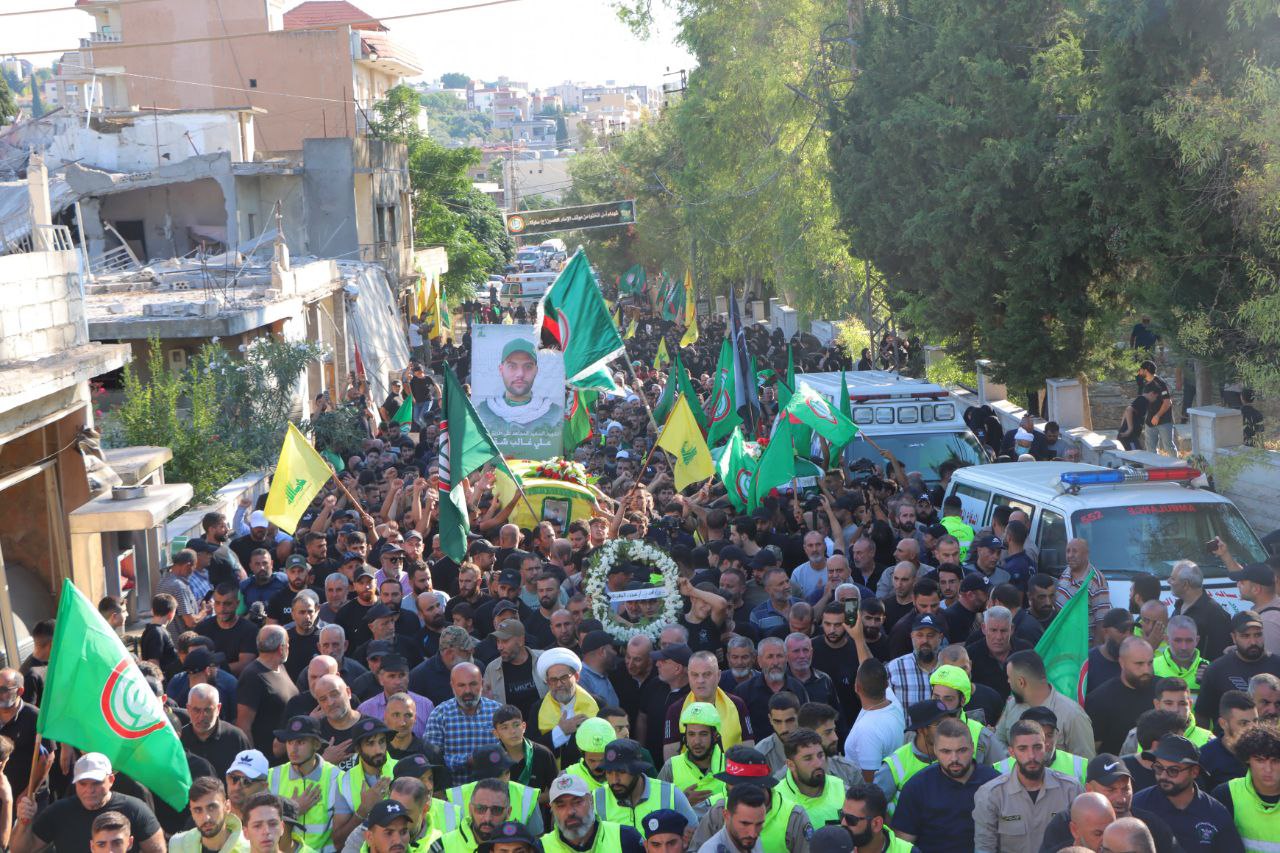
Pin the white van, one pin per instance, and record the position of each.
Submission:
(525, 287)
(1135, 521)
(918, 422)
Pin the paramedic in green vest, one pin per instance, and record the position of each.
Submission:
(952, 687)
(951, 511)
(914, 755)
(807, 783)
(387, 828)
(492, 762)
(307, 779)
(488, 808)
(511, 837)
(423, 832)
(630, 794)
(578, 829)
(367, 782)
(1254, 799)
(1181, 657)
(441, 816)
(592, 738)
(1171, 694)
(1054, 758)
(786, 826)
(664, 831)
(693, 769)
(864, 817)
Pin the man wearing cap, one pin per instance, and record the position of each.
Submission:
(431, 677)
(297, 573)
(695, 767)
(664, 832)
(258, 535)
(578, 828)
(366, 782)
(786, 826)
(512, 678)
(914, 755)
(986, 559)
(518, 412)
(177, 583)
(1107, 776)
(974, 591)
(1234, 670)
(951, 686)
(208, 735)
(1256, 584)
(388, 828)
(1012, 811)
(909, 674)
(246, 777)
(352, 615)
(1104, 658)
(630, 794)
(429, 818)
(566, 705)
(307, 779)
(1198, 821)
(598, 658)
(464, 722)
(67, 824)
(493, 764)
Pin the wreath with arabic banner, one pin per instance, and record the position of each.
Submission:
(622, 552)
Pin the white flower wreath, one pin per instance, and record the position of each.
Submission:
(625, 551)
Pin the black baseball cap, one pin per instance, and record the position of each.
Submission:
(1173, 748)
(937, 531)
(995, 543)
(481, 546)
(975, 581)
(831, 839)
(200, 546)
(490, 762)
(378, 611)
(1118, 619)
(510, 832)
(678, 652)
(299, 727)
(414, 765)
(764, 559)
(364, 571)
(623, 754)
(505, 606)
(1105, 768)
(509, 577)
(368, 727)
(1042, 715)
(200, 658)
(1259, 573)
(395, 663)
(378, 648)
(1245, 619)
(596, 640)
(387, 812)
(924, 714)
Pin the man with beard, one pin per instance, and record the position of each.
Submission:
(488, 808)
(1029, 688)
(900, 765)
(1171, 694)
(1012, 811)
(215, 827)
(207, 735)
(820, 718)
(297, 573)
(745, 812)
(67, 824)
(246, 778)
(863, 817)
(598, 658)
(577, 828)
(430, 607)
(1104, 659)
(935, 807)
(225, 565)
(909, 674)
(564, 631)
(704, 686)
(510, 678)
(1233, 671)
(388, 828)
(634, 680)
(366, 782)
(18, 724)
(566, 704)
(547, 588)
(464, 723)
(1042, 598)
(1108, 777)
(1264, 690)
(352, 615)
(1252, 798)
(1198, 821)
(233, 636)
(304, 636)
(693, 769)
(307, 779)
(807, 783)
(1219, 762)
(629, 794)
(773, 679)
(831, 654)
(1114, 707)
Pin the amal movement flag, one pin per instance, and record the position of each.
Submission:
(811, 409)
(736, 467)
(724, 417)
(105, 705)
(573, 319)
(633, 281)
(1064, 646)
(465, 446)
(300, 474)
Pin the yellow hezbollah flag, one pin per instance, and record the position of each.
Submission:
(683, 440)
(300, 474)
(690, 313)
(661, 357)
(631, 330)
(420, 298)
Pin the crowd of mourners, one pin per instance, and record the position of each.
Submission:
(852, 670)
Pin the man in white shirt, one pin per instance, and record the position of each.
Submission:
(880, 726)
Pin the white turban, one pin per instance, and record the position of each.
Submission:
(1023, 435)
(555, 657)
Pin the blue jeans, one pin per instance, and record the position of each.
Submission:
(1159, 439)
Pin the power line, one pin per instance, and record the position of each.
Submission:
(106, 47)
(49, 9)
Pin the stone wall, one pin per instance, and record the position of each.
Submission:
(41, 305)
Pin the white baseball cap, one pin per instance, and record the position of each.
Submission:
(568, 784)
(251, 763)
(258, 519)
(93, 766)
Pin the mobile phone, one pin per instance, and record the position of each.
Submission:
(851, 606)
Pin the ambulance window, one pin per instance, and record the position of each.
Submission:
(1002, 500)
(1052, 541)
(973, 504)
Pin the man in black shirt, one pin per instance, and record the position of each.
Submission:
(351, 616)
(1218, 761)
(1233, 671)
(264, 689)
(1114, 707)
(1109, 776)
(233, 637)
(280, 605)
(67, 824)
(18, 724)
(1186, 581)
(833, 653)
(208, 735)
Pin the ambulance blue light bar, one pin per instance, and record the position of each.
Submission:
(1114, 476)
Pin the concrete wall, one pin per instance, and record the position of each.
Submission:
(329, 191)
(43, 307)
(258, 194)
(166, 212)
(147, 142)
(1251, 485)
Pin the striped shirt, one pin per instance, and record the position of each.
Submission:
(909, 682)
(1099, 593)
(180, 589)
(200, 585)
(458, 734)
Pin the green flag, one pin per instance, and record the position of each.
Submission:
(685, 387)
(1064, 646)
(666, 399)
(803, 434)
(809, 408)
(724, 415)
(736, 466)
(465, 445)
(846, 409)
(777, 464)
(97, 700)
(577, 418)
(404, 414)
(573, 319)
(671, 306)
(632, 281)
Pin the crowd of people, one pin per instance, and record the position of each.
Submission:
(851, 671)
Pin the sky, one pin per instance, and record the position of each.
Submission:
(541, 42)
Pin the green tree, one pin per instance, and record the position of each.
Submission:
(8, 106)
(37, 99)
(455, 80)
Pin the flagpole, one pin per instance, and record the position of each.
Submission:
(32, 782)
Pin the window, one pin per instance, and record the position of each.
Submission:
(1002, 500)
(253, 82)
(1052, 541)
(973, 504)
